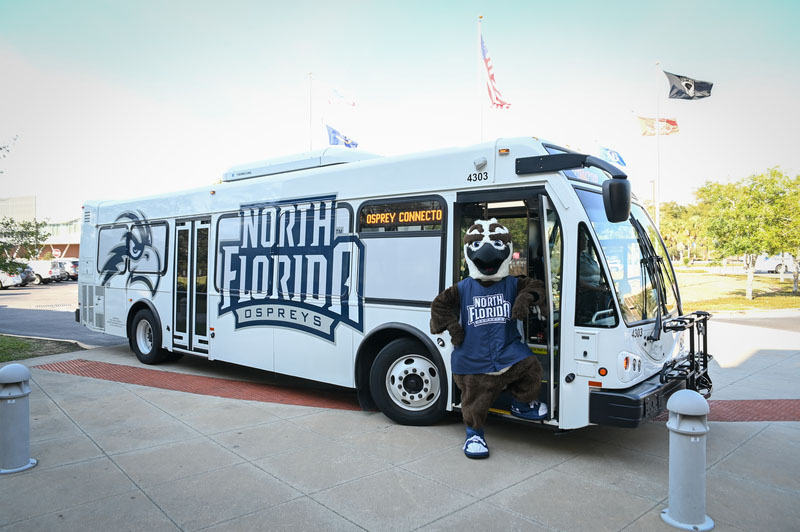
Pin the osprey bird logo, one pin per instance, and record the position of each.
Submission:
(137, 246)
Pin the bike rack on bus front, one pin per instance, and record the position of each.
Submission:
(693, 367)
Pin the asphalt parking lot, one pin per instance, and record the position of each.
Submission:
(47, 311)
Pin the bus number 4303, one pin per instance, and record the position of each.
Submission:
(478, 176)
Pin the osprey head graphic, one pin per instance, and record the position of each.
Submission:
(137, 247)
(688, 86)
(488, 250)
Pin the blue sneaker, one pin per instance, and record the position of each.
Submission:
(475, 446)
(533, 411)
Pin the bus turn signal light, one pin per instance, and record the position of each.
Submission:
(603, 372)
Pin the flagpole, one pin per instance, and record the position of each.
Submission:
(310, 113)
(658, 157)
(480, 77)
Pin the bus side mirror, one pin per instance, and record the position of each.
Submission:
(617, 199)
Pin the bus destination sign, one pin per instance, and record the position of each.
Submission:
(426, 213)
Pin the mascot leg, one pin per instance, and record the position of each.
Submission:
(478, 392)
(525, 379)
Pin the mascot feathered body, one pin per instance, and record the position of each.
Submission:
(481, 314)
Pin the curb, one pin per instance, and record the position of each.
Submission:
(80, 344)
(758, 313)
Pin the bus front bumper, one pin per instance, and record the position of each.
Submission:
(630, 406)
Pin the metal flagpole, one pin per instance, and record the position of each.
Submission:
(480, 74)
(657, 206)
(310, 113)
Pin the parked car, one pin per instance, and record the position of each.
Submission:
(775, 263)
(7, 280)
(43, 270)
(71, 267)
(27, 275)
(60, 270)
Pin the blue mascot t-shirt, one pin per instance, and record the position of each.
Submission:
(491, 338)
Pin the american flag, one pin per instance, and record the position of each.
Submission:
(494, 95)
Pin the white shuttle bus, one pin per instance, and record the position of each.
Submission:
(323, 266)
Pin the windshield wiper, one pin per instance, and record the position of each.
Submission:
(652, 262)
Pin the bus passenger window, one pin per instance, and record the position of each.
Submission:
(594, 306)
(112, 245)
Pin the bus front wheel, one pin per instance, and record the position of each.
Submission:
(145, 338)
(408, 383)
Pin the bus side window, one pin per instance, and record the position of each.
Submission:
(594, 306)
(112, 249)
(147, 248)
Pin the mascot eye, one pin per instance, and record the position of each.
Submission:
(476, 245)
(498, 244)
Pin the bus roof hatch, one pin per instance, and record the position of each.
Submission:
(292, 163)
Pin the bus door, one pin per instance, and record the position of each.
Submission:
(190, 305)
(537, 240)
(552, 248)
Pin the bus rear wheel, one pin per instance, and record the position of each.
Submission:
(407, 383)
(145, 338)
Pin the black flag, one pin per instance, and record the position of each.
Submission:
(684, 88)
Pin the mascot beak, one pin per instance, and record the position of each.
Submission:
(488, 258)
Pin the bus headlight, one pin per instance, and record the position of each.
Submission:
(629, 366)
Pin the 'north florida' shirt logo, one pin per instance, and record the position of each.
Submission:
(291, 265)
(488, 309)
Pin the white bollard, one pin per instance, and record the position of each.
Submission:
(688, 425)
(15, 424)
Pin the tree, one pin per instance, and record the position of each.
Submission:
(683, 230)
(5, 149)
(751, 216)
(787, 228)
(20, 241)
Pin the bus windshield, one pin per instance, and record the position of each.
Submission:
(635, 287)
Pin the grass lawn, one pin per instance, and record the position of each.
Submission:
(716, 292)
(14, 348)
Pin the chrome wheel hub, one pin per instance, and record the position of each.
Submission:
(144, 337)
(413, 382)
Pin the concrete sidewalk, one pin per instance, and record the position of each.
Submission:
(116, 456)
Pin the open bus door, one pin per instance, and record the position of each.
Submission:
(551, 257)
(537, 253)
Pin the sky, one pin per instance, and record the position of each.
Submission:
(114, 100)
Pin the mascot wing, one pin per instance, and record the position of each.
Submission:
(445, 313)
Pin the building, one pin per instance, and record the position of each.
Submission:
(22, 208)
(64, 239)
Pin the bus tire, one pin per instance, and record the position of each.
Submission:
(145, 338)
(408, 383)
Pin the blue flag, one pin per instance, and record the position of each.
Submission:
(336, 138)
(612, 156)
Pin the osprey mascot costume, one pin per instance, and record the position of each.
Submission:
(481, 314)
